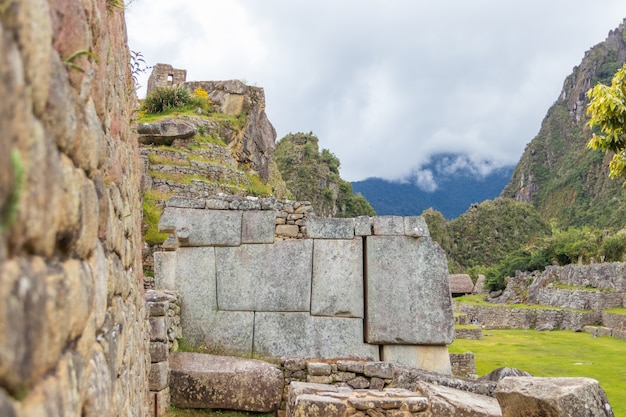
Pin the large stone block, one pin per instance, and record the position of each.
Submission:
(388, 225)
(310, 336)
(329, 228)
(207, 381)
(552, 397)
(337, 287)
(224, 333)
(195, 281)
(445, 401)
(195, 227)
(274, 277)
(165, 270)
(415, 226)
(258, 226)
(408, 294)
(428, 358)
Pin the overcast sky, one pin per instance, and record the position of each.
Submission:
(386, 84)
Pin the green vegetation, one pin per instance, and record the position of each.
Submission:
(621, 311)
(8, 213)
(152, 210)
(553, 354)
(607, 108)
(168, 99)
(500, 237)
(313, 176)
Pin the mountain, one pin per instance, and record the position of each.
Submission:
(313, 176)
(557, 174)
(455, 191)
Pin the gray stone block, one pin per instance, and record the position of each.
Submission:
(428, 358)
(408, 294)
(224, 333)
(195, 281)
(258, 226)
(274, 277)
(388, 225)
(415, 226)
(184, 202)
(329, 228)
(337, 286)
(363, 226)
(195, 227)
(300, 334)
(165, 270)
(220, 382)
(158, 352)
(158, 377)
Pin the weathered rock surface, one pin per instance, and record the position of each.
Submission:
(208, 381)
(320, 400)
(501, 373)
(445, 401)
(165, 131)
(405, 269)
(552, 397)
(73, 328)
(255, 145)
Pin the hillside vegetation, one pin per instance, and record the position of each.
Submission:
(557, 173)
(313, 176)
(560, 205)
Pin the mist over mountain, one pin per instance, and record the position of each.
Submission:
(450, 183)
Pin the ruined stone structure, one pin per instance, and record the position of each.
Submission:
(164, 75)
(73, 328)
(245, 290)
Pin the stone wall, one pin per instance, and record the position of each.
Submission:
(164, 75)
(463, 365)
(506, 317)
(579, 298)
(247, 289)
(73, 328)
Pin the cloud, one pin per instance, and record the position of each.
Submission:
(386, 85)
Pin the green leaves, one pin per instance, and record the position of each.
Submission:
(607, 109)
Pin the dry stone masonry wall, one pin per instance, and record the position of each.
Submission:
(265, 277)
(73, 328)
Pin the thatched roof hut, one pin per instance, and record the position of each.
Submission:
(460, 284)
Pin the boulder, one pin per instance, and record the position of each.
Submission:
(165, 131)
(501, 373)
(445, 401)
(208, 381)
(552, 397)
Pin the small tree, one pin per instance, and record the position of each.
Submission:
(607, 108)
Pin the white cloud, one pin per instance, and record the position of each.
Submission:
(386, 84)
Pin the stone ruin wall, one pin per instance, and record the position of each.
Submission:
(164, 75)
(249, 289)
(73, 331)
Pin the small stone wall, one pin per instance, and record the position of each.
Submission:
(252, 270)
(579, 298)
(164, 75)
(474, 333)
(614, 321)
(463, 365)
(505, 317)
(164, 316)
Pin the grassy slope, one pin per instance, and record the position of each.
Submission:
(554, 354)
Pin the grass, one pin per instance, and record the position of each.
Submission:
(554, 354)
(151, 214)
(621, 311)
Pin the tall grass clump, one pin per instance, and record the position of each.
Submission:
(164, 99)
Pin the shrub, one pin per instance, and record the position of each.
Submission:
(163, 99)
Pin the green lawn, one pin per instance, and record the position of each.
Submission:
(554, 354)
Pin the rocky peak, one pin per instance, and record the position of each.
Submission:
(557, 173)
(253, 146)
